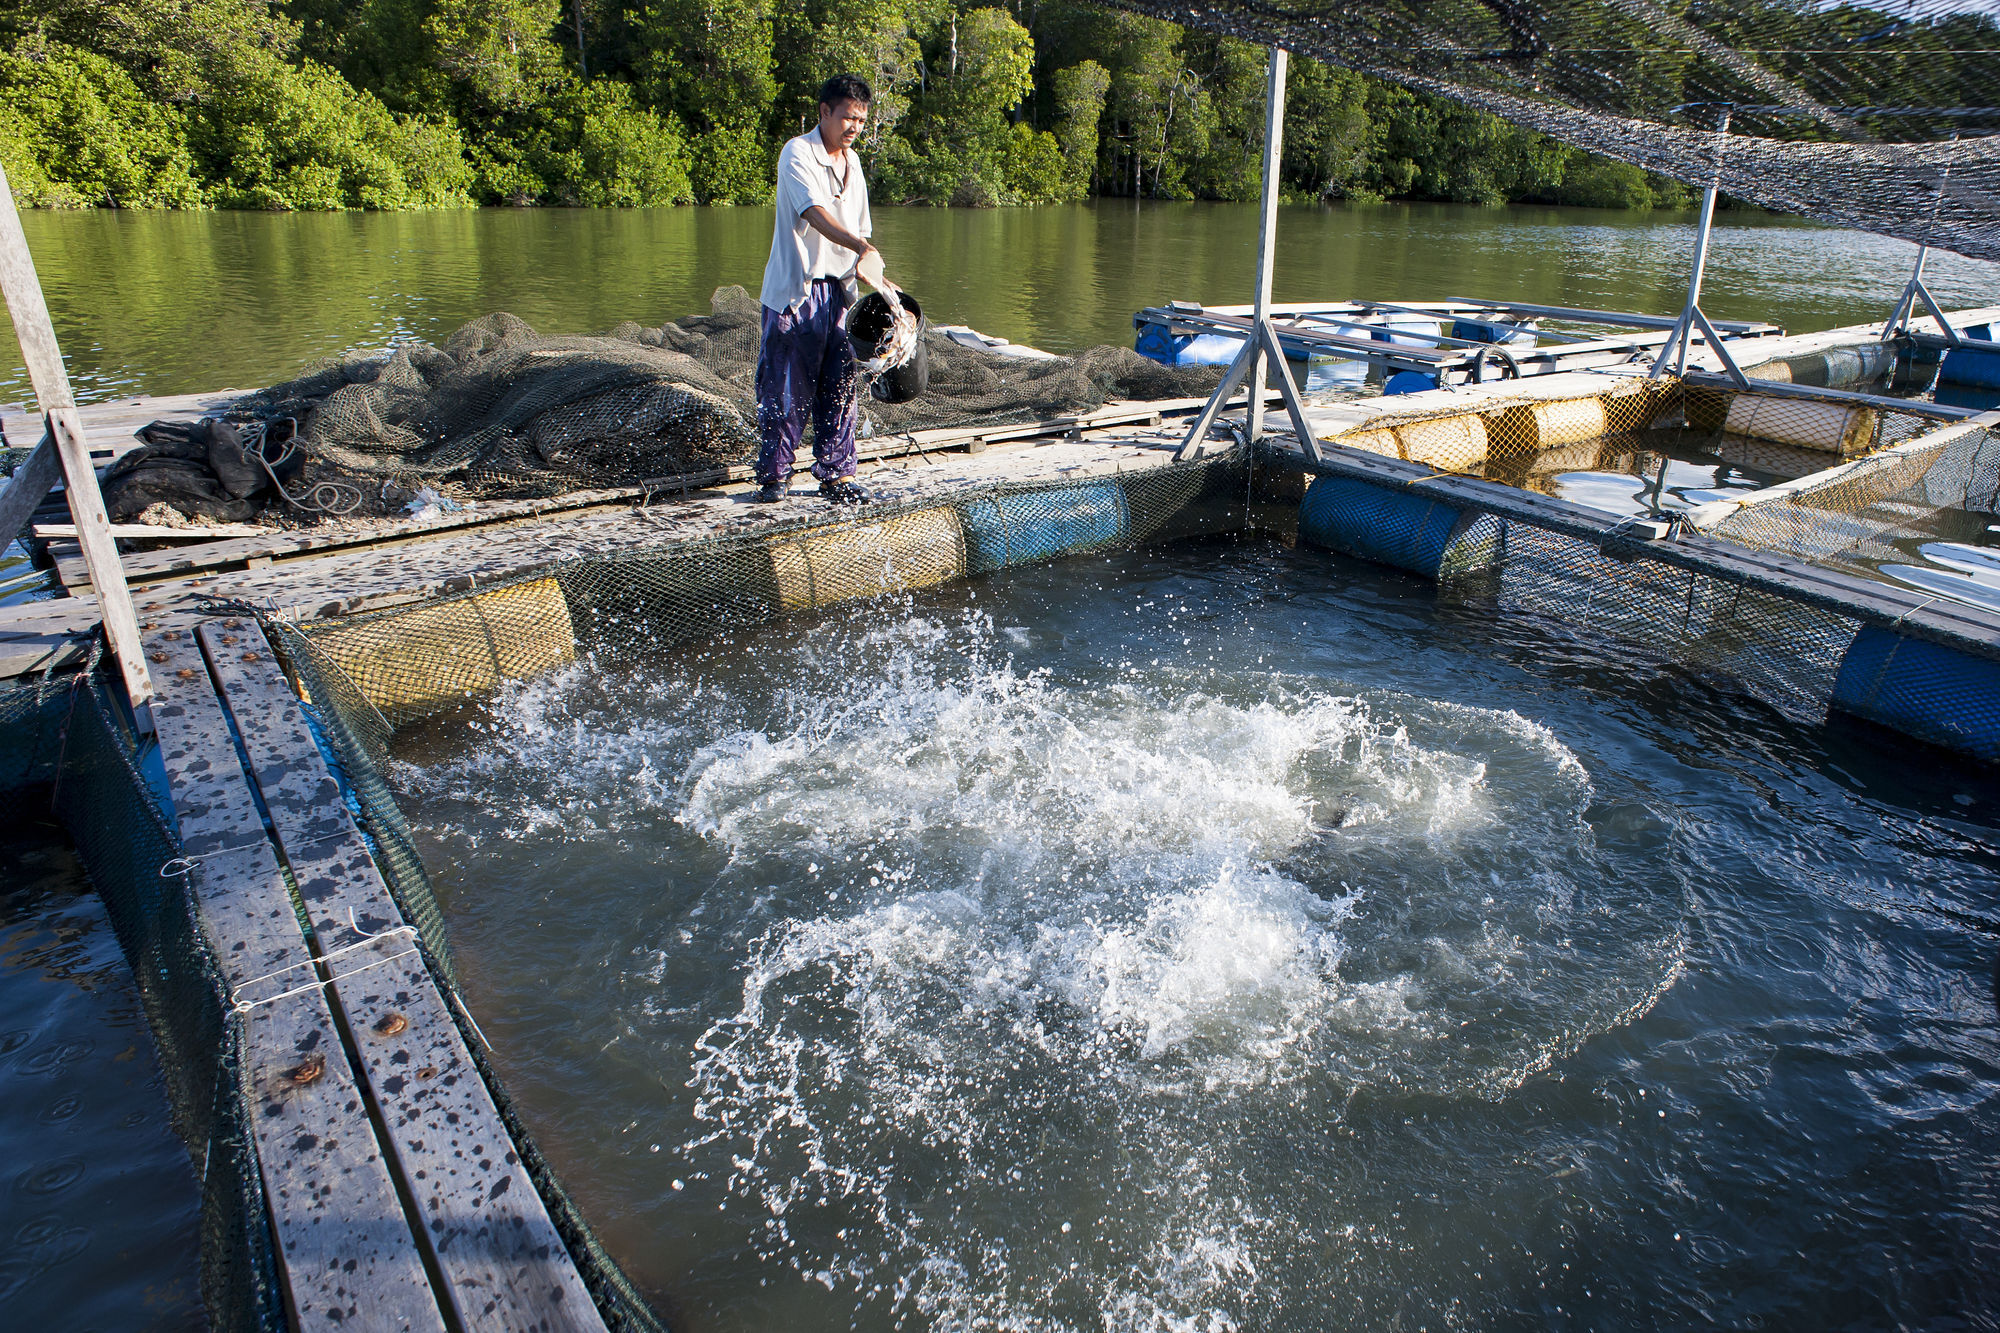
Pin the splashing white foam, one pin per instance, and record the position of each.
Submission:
(1069, 939)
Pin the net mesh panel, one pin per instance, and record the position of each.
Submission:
(31, 723)
(1781, 652)
(1880, 118)
(1846, 519)
(124, 842)
(379, 671)
(1529, 442)
(506, 412)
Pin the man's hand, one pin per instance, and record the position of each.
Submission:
(823, 222)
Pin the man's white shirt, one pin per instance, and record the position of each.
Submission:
(807, 176)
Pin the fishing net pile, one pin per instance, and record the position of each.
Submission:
(500, 410)
(1879, 117)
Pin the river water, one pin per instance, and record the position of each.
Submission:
(1223, 937)
(185, 302)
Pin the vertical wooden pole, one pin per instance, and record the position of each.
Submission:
(1267, 230)
(37, 337)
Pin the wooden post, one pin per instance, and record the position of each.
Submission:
(37, 337)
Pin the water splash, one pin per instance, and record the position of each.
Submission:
(1034, 964)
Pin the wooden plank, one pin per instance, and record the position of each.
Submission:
(158, 532)
(503, 1262)
(109, 428)
(345, 1243)
(23, 654)
(28, 488)
(43, 359)
(153, 566)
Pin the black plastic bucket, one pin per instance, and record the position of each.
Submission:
(867, 322)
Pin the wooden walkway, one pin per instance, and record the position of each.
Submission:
(396, 1194)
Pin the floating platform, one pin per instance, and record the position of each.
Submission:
(1437, 343)
(398, 1193)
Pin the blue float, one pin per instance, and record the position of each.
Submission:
(1018, 529)
(1922, 689)
(1972, 367)
(1394, 527)
(1409, 381)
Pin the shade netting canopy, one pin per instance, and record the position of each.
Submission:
(1886, 119)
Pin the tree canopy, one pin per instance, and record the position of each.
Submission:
(396, 104)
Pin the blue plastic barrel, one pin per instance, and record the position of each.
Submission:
(1922, 689)
(1409, 381)
(1389, 526)
(1964, 395)
(1008, 530)
(1156, 342)
(1973, 367)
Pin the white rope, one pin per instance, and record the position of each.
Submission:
(243, 1006)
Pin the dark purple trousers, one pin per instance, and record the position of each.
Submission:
(805, 366)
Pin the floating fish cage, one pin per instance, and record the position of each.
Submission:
(1435, 491)
(1419, 345)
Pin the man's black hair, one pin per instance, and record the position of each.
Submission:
(845, 88)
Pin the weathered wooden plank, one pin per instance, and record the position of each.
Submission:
(21, 654)
(212, 801)
(159, 533)
(28, 488)
(499, 1253)
(43, 360)
(233, 551)
(344, 1238)
(108, 428)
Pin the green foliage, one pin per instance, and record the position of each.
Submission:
(733, 165)
(708, 61)
(1078, 93)
(75, 130)
(315, 104)
(598, 148)
(299, 137)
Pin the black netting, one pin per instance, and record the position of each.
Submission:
(133, 858)
(31, 722)
(1876, 117)
(501, 410)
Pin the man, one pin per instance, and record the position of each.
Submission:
(805, 365)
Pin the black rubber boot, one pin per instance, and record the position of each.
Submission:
(843, 491)
(771, 492)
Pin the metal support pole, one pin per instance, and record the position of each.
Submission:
(1915, 290)
(1682, 337)
(1262, 346)
(43, 358)
(1701, 239)
(1267, 229)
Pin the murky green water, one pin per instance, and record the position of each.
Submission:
(175, 303)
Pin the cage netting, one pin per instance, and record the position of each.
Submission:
(1881, 118)
(503, 410)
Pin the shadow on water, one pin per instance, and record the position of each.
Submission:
(97, 1202)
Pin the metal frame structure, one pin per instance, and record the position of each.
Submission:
(64, 451)
(1914, 291)
(1341, 331)
(1692, 318)
(1262, 344)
